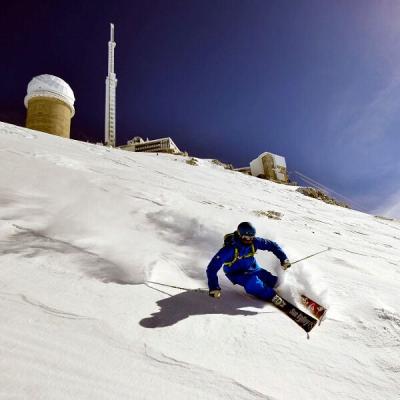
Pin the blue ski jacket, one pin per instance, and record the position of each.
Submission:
(238, 259)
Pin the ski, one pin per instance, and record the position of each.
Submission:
(315, 309)
(302, 319)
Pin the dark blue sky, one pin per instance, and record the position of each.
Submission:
(315, 81)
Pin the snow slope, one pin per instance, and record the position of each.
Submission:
(83, 228)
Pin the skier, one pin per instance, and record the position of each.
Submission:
(240, 266)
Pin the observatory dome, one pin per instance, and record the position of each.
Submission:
(50, 86)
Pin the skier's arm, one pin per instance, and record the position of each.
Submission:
(223, 255)
(269, 245)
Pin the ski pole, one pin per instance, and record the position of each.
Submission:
(311, 255)
(179, 287)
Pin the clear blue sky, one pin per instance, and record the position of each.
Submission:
(315, 81)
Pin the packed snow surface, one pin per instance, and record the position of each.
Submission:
(84, 228)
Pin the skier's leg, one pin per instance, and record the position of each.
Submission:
(267, 278)
(257, 288)
(254, 285)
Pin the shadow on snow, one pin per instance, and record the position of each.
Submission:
(178, 307)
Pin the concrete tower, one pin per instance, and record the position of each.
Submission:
(50, 104)
(111, 86)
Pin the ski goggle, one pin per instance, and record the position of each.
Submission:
(247, 238)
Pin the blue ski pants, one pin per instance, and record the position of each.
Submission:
(259, 283)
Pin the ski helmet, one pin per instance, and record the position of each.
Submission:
(246, 229)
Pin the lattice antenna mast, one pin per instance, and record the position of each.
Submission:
(111, 86)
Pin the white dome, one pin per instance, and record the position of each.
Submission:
(50, 86)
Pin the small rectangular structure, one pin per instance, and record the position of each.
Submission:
(163, 145)
(269, 166)
(244, 170)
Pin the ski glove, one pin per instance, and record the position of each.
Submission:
(286, 264)
(215, 293)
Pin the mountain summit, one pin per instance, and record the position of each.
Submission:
(86, 228)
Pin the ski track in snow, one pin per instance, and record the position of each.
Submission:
(83, 227)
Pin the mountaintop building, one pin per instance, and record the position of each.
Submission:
(269, 166)
(50, 105)
(163, 145)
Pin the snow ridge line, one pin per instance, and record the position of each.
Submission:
(205, 376)
(53, 311)
(49, 310)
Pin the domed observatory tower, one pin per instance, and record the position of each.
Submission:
(50, 105)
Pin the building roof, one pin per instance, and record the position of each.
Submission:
(50, 86)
